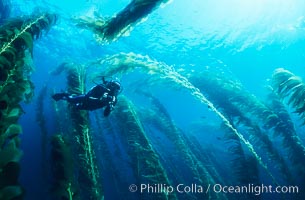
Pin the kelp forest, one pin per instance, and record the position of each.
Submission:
(140, 151)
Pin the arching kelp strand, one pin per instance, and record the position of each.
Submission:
(123, 63)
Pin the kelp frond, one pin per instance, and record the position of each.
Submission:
(122, 63)
(244, 109)
(64, 185)
(25, 30)
(76, 77)
(88, 170)
(16, 45)
(122, 23)
(291, 88)
(260, 138)
(145, 161)
(161, 120)
(286, 129)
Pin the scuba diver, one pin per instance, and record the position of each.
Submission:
(99, 96)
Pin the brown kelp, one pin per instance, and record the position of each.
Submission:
(63, 181)
(245, 110)
(244, 172)
(113, 173)
(41, 120)
(60, 118)
(109, 30)
(206, 156)
(145, 161)
(289, 134)
(16, 46)
(161, 119)
(88, 173)
(260, 138)
(291, 88)
(287, 86)
(123, 63)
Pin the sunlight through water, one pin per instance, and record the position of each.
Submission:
(247, 23)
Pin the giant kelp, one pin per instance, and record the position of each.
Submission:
(123, 63)
(5, 10)
(287, 86)
(41, 120)
(109, 30)
(63, 181)
(145, 162)
(291, 88)
(244, 171)
(206, 155)
(88, 173)
(114, 174)
(80, 132)
(16, 41)
(260, 138)
(247, 111)
(161, 120)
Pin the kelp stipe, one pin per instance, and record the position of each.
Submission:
(63, 183)
(145, 162)
(162, 121)
(122, 23)
(260, 138)
(117, 176)
(60, 117)
(123, 63)
(88, 171)
(41, 120)
(16, 45)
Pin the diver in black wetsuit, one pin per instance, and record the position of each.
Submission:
(98, 96)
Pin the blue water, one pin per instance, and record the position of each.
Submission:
(248, 40)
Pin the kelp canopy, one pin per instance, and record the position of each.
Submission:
(123, 22)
